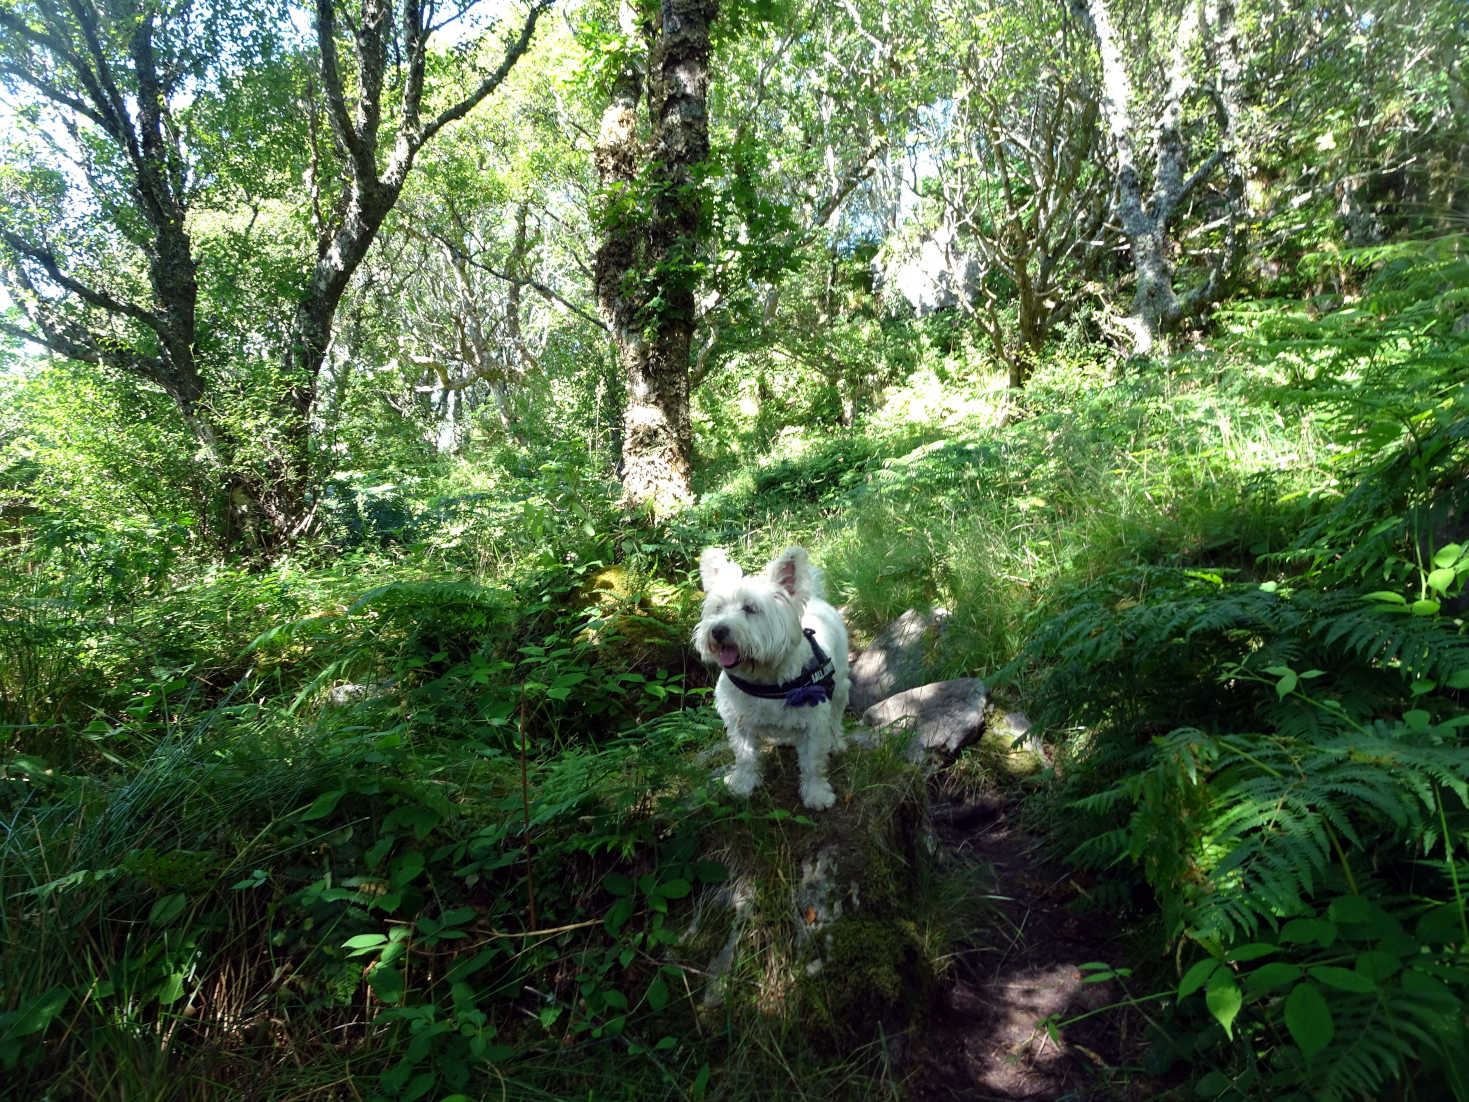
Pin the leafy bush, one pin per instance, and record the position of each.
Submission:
(1283, 761)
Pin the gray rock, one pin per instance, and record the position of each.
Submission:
(897, 659)
(943, 716)
(933, 273)
(1017, 727)
(339, 696)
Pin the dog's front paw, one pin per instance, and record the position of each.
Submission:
(741, 782)
(817, 795)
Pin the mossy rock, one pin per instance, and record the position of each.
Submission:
(640, 621)
(822, 924)
(874, 973)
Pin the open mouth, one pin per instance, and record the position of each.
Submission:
(729, 655)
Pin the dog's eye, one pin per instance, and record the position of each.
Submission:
(751, 610)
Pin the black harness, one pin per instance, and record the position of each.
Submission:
(813, 686)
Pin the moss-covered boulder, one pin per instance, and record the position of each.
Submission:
(822, 925)
(636, 621)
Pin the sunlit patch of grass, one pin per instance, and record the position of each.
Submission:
(1102, 472)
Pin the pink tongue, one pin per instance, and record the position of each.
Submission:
(729, 656)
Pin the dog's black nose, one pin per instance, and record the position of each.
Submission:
(721, 633)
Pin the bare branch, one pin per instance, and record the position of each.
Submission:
(363, 167)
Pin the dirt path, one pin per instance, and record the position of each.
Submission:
(987, 1040)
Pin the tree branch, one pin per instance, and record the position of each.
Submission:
(98, 81)
(858, 171)
(363, 167)
(51, 91)
(513, 54)
(90, 295)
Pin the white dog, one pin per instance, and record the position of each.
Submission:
(783, 650)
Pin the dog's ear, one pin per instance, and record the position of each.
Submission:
(716, 571)
(792, 572)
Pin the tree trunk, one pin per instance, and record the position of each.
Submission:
(646, 267)
(1157, 308)
(70, 58)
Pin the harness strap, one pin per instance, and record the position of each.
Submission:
(813, 686)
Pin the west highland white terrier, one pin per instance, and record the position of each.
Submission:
(783, 651)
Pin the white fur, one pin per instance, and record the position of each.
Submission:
(757, 621)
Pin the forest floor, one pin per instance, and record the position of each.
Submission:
(987, 1040)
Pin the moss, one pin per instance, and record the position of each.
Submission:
(828, 936)
(639, 621)
(873, 973)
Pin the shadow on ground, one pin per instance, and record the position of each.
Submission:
(988, 1040)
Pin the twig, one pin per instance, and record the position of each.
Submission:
(530, 875)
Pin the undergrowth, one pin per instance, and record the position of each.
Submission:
(1267, 754)
(424, 811)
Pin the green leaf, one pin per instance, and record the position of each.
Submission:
(1426, 607)
(1440, 925)
(657, 993)
(1343, 979)
(673, 889)
(1459, 679)
(167, 909)
(1377, 964)
(1387, 597)
(618, 915)
(1350, 908)
(1213, 1084)
(712, 872)
(1441, 579)
(37, 1013)
(617, 884)
(386, 983)
(1299, 930)
(172, 989)
(1308, 1018)
(457, 916)
(1268, 977)
(324, 804)
(405, 868)
(363, 943)
(1286, 685)
(1448, 554)
(1197, 976)
(1223, 999)
(1430, 989)
(1254, 950)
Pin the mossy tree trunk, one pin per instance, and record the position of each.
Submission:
(647, 265)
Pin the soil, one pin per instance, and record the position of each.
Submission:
(987, 1039)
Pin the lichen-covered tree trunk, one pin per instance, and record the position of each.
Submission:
(1157, 307)
(646, 266)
